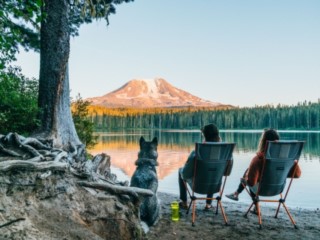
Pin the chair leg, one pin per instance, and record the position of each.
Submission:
(291, 218)
(217, 208)
(193, 212)
(246, 214)
(189, 207)
(223, 213)
(276, 216)
(259, 214)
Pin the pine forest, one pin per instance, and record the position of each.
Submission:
(303, 116)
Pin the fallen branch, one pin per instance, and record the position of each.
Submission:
(12, 221)
(132, 191)
(27, 165)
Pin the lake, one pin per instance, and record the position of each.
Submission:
(175, 145)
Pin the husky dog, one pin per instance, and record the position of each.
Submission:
(145, 176)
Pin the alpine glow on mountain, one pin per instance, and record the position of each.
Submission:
(149, 93)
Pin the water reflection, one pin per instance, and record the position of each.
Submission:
(175, 146)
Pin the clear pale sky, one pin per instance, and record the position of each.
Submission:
(239, 52)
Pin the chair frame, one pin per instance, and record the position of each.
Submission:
(256, 200)
(192, 193)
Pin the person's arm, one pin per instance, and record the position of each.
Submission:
(254, 171)
(187, 170)
(297, 172)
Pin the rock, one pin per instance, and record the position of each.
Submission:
(57, 208)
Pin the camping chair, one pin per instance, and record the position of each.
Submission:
(212, 161)
(278, 163)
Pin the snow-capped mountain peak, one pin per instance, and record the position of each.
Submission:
(148, 93)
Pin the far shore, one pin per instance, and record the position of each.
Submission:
(114, 131)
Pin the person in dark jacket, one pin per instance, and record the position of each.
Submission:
(211, 134)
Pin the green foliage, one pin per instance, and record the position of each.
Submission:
(18, 105)
(82, 122)
(20, 22)
(19, 25)
(19, 109)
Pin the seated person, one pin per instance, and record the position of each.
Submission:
(211, 134)
(252, 174)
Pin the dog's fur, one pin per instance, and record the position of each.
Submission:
(145, 176)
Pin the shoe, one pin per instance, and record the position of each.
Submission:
(207, 208)
(183, 205)
(232, 196)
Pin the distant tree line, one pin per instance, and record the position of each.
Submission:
(304, 116)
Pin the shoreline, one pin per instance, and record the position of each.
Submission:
(208, 225)
(244, 199)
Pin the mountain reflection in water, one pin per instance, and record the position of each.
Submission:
(175, 146)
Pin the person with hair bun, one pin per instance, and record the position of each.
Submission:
(210, 133)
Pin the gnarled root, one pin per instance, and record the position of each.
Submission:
(134, 192)
(28, 165)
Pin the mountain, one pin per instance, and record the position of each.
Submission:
(148, 93)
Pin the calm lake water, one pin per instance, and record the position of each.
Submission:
(175, 146)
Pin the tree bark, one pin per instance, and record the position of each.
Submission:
(54, 97)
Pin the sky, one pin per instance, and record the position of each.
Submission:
(239, 52)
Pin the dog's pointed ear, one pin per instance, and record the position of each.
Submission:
(142, 140)
(155, 140)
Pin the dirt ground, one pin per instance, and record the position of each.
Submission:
(208, 225)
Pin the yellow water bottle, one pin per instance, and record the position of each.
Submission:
(175, 211)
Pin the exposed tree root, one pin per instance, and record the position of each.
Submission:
(18, 140)
(134, 192)
(38, 154)
(32, 164)
(35, 143)
(60, 156)
(8, 152)
(27, 165)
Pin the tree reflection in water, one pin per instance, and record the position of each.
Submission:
(175, 145)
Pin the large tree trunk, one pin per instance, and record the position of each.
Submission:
(54, 99)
